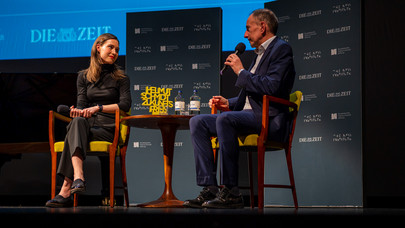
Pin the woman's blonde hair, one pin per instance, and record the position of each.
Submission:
(93, 72)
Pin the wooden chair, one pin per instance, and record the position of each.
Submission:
(114, 149)
(261, 144)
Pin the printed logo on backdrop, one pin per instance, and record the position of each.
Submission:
(142, 49)
(173, 67)
(342, 72)
(200, 66)
(338, 94)
(312, 118)
(338, 30)
(309, 97)
(340, 115)
(169, 48)
(202, 27)
(173, 29)
(342, 8)
(310, 55)
(138, 144)
(313, 139)
(306, 35)
(342, 137)
(145, 68)
(309, 76)
(310, 14)
(138, 31)
(282, 19)
(199, 46)
(340, 51)
(50, 35)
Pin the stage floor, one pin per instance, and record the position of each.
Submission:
(187, 217)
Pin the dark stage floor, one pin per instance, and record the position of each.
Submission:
(185, 217)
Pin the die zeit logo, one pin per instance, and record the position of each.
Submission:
(67, 34)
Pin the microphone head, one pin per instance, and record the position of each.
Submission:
(63, 109)
(240, 48)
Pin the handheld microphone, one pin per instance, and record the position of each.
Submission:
(239, 49)
(63, 110)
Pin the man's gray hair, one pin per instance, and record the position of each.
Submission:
(267, 16)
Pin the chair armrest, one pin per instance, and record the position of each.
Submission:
(265, 112)
(117, 128)
(122, 113)
(51, 126)
(214, 110)
(118, 114)
(269, 98)
(61, 117)
(280, 101)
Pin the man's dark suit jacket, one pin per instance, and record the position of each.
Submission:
(274, 76)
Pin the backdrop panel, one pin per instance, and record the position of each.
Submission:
(325, 37)
(180, 50)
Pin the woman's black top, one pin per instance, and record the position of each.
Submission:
(104, 91)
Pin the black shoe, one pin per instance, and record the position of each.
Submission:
(78, 186)
(59, 201)
(225, 199)
(205, 195)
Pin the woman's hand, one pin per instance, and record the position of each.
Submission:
(88, 112)
(74, 112)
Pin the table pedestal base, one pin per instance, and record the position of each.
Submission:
(168, 126)
(168, 199)
(162, 203)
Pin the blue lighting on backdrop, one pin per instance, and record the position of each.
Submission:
(64, 29)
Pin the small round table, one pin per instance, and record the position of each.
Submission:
(168, 125)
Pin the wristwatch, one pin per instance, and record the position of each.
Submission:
(100, 108)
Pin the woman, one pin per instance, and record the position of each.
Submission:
(101, 89)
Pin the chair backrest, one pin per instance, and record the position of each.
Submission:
(250, 140)
(124, 130)
(296, 98)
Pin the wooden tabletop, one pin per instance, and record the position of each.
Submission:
(154, 121)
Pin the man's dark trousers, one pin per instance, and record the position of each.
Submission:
(226, 126)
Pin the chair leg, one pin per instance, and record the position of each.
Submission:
(124, 179)
(75, 199)
(260, 175)
(215, 152)
(112, 174)
(252, 199)
(216, 155)
(53, 174)
(291, 174)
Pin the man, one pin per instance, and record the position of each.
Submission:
(272, 72)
